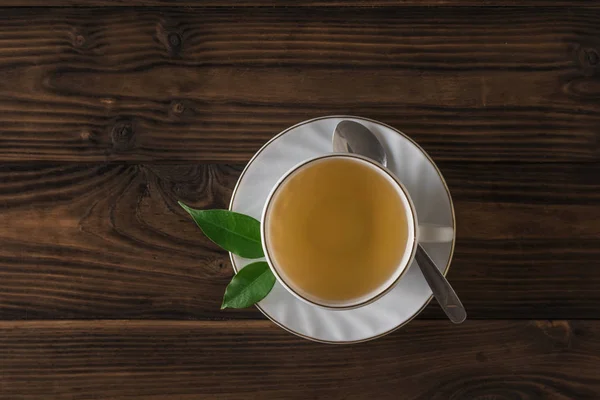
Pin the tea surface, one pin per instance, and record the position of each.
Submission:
(337, 230)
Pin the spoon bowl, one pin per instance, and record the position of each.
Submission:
(355, 138)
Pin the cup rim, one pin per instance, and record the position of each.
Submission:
(406, 264)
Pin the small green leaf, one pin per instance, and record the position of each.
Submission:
(252, 284)
(234, 232)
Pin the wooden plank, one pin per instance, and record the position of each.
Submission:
(87, 241)
(109, 241)
(469, 84)
(292, 3)
(124, 360)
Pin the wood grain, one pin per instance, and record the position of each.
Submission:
(293, 3)
(124, 360)
(110, 113)
(163, 85)
(109, 241)
(106, 241)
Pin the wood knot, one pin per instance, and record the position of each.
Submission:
(122, 135)
(88, 136)
(174, 39)
(179, 109)
(173, 43)
(218, 267)
(169, 35)
(589, 60)
(79, 39)
(592, 57)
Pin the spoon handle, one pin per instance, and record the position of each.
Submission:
(442, 291)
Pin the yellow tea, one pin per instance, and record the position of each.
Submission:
(336, 230)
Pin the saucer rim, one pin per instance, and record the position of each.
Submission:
(446, 269)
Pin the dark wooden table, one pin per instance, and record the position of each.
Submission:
(109, 114)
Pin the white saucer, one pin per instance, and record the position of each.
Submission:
(432, 201)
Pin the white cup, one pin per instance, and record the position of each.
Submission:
(425, 233)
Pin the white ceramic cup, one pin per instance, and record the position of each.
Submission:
(425, 233)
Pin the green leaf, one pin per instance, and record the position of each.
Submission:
(234, 232)
(252, 284)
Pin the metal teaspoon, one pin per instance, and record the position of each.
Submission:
(352, 137)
